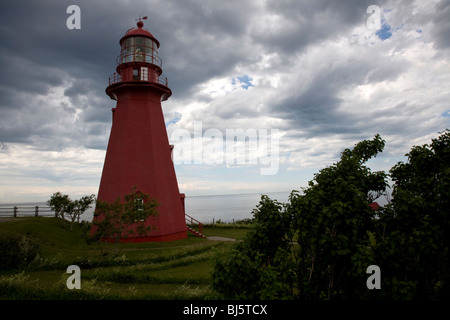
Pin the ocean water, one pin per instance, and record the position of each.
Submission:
(227, 207)
(203, 208)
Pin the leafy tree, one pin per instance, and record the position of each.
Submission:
(124, 217)
(62, 204)
(340, 235)
(333, 219)
(59, 203)
(77, 207)
(414, 230)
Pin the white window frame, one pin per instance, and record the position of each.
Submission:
(144, 73)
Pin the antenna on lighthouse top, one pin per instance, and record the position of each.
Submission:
(140, 24)
(143, 18)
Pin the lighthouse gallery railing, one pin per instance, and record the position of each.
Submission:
(116, 78)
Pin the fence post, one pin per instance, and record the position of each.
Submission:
(36, 211)
(15, 211)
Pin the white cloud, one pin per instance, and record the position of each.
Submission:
(397, 87)
(30, 174)
(319, 76)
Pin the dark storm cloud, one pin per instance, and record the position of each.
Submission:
(441, 30)
(39, 53)
(200, 40)
(204, 39)
(19, 73)
(35, 36)
(303, 23)
(315, 109)
(318, 75)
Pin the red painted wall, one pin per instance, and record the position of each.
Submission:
(139, 154)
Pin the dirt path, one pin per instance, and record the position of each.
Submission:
(220, 239)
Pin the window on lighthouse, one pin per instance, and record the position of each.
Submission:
(144, 73)
(139, 206)
(136, 74)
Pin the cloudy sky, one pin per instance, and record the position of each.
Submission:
(315, 74)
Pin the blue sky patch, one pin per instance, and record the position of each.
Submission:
(175, 119)
(245, 81)
(385, 32)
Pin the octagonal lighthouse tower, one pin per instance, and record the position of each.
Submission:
(138, 153)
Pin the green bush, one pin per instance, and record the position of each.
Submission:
(259, 267)
(16, 252)
(338, 234)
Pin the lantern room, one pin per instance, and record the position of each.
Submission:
(138, 59)
(139, 45)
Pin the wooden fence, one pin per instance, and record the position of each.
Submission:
(37, 211)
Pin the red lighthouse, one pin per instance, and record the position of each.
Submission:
(138, 153)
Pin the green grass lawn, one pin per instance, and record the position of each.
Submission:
(165, 270)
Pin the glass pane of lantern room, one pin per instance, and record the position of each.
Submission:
(147, 49)
(131, 48)
(154, 53)
(140, 50)
(139, 41)
(127, 50)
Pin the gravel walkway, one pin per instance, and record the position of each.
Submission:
(220, 239)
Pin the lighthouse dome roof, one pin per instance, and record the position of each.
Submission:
(139, 31)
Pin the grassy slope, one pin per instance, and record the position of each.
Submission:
(168, 270)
